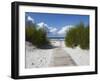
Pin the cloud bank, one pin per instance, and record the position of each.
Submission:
(64, 29)
(51, 30)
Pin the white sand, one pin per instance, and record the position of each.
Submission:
(36, 58)
(80, 56)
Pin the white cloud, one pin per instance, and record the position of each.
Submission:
(53, 30)
(64, 29)
(49, 29)
(30, 19)
(42, 24)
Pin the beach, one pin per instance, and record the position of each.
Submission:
(59, 55)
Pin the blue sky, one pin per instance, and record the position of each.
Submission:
(58, 21)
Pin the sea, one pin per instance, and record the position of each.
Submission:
(56, 38)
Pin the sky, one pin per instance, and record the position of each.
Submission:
(57, 23)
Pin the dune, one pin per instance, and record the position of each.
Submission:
(59, 55)
(36, 58)
(80, 56)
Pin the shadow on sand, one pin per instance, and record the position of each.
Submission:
(48, 47)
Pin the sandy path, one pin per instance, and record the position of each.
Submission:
(61, 58)
(38, 58)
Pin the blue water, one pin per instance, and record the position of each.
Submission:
(57, 38)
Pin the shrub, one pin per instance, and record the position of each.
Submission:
(84, 43)
(29, 33)
(36, 36)
(78, 35)
(70, 38)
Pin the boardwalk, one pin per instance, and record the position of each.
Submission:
(38, 58)
(61, 58)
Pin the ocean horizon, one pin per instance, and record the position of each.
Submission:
(56, 38)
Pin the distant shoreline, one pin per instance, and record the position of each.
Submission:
(56, 38)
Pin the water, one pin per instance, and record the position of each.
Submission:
(56, 38)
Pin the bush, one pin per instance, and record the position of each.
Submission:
(36, 36)
(70, 38)
(29, 31)
(78, 35)
(84, 43)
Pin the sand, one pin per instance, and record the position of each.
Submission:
(61, 58)
(60, 55)
(37, 57)
(81, 57)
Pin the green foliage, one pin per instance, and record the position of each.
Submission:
(29, 31)
(84, 43)
(36, 36)
(70, 39)
(78, 35)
